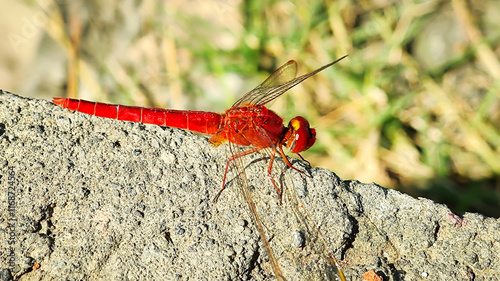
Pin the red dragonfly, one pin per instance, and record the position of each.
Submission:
(247, 123)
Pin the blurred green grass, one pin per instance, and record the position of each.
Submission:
(414, 107)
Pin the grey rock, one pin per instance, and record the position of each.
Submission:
(97, 199)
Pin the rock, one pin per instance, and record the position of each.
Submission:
(89, 198)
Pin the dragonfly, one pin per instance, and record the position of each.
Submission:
(248, 123)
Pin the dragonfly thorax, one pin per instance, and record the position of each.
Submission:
(299, 136)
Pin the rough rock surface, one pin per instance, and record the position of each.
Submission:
(86, 198)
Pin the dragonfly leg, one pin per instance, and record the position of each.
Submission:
(285, 158)
(233, 157)
(309, 164)
(269, 173)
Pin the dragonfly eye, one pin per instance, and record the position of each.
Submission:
(299, 136)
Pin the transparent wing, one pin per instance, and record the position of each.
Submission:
(277, 84)
(279, 224)
(280, 76)
(318, 253)
(246, 194)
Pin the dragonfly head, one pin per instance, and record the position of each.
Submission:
(299, 136)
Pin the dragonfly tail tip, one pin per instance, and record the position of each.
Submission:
(58, 101)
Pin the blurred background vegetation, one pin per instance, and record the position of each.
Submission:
(415, 106)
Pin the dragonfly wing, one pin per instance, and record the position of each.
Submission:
(319, 254)
(278, 83)
(301, 246)
(278, 224)
(244, 189)
(280, 76)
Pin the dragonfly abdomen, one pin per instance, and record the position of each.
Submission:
(199, 121)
